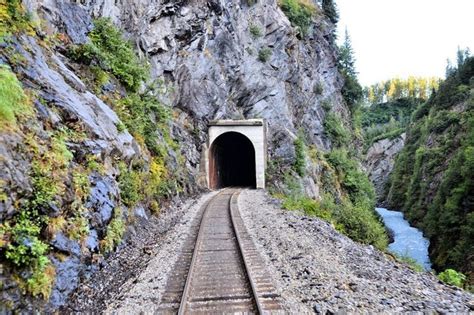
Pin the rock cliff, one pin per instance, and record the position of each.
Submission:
(69, 169)
(379, 162)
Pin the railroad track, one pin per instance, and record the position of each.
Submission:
(220, 270)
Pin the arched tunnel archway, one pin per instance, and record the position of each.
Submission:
(232, 161)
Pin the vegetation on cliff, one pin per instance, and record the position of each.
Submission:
(387, 120)
(347, 197)
(55, 202)
(432, 178)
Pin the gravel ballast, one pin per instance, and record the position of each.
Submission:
(123, 283)
(314, 268)
(319, 270)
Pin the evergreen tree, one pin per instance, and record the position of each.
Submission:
(346, 55)
(352, 90)
(330, 10)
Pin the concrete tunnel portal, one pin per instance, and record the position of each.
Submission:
(232, 161)
(236, 154)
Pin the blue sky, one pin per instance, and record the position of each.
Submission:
(405, 37)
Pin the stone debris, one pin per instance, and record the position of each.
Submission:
(314, 268)
(319, 270)
(131, 279)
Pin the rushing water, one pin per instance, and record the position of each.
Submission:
(408, 241)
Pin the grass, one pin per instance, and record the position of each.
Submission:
(13, 100)
(412, 263)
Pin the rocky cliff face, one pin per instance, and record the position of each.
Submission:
(207, 58)
(380, 160)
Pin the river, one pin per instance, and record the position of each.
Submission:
(408, 241)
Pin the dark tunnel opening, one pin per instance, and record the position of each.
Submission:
(232, 161)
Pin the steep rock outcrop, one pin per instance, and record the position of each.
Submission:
(379, 162)
(208, 59)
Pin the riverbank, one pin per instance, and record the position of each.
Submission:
(408, 241)
(319, 270)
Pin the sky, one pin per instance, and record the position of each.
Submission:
(398, 38)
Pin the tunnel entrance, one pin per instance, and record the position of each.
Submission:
(232, 161)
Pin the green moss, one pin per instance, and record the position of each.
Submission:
(13, 101)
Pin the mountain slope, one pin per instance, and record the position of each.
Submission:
(432, 178)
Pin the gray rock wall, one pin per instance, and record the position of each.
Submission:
(380, 160)
(206, 55)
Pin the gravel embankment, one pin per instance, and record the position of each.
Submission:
(319, 270)
(142, 294)
(313, 267)
(123, 283)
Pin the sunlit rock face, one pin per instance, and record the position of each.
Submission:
(208, 60)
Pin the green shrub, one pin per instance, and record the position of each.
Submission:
(255, 30)
(41, 282)
(326, 105)
(299, 12)
(115, 231)
(360, 223)
(13, 101)
(26, 251)
(452, 277)
(354, 214)
(300, 161)
(330, 10)
(336, 131)
(318, 88)
(308, 206)
(130, 184)
(264, 54)
(13, 18)
(144, 116)
(111, 52)
(78, 227)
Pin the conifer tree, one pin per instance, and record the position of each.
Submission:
(352, 90)
(330, 10)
